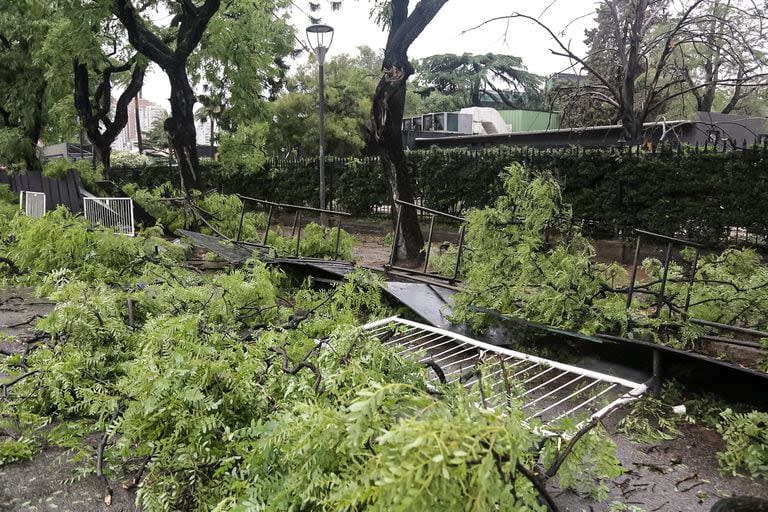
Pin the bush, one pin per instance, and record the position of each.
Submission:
(746, 442)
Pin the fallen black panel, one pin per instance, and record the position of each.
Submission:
(430, 302)
(335, 268)
(229, 252)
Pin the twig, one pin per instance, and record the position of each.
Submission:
(436, 368)
(18, 379)
(695, 475)
(100, 457)
(11, 266)
(553, 469)
(539, 485)
(136, 479)
(25, 322)
(691, 487)
(301, 365)
(659, 507)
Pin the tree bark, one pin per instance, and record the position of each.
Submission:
(191, 23)
(388, 108)
(181, 126)
(387, 114)
(95, 114)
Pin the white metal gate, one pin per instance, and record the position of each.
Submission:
(110, 212)
(33, 203)
(549, 390)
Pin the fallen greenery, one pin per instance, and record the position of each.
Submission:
(219, 214)
(526, 257)
(233, 391)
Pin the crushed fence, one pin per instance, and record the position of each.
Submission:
(549, 391)
(114, 213)
(33, 203)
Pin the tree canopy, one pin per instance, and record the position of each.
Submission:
(470, 76)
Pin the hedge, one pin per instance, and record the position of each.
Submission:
(699, 194)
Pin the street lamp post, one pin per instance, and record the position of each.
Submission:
(320, 38)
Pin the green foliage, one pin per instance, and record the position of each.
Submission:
(129, 159)
(746, 442)
(475, 78)
(593, 462)
(512, 267)
(58, 167)
(9, 203)
(244, 149)
(12, 450)
(349, 86)
(64, 244)
(650, 421)
(316, 242)
(238, 393)
(525, 257)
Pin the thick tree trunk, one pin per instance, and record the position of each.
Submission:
(387, 119)
(103, 155)
(180, 127)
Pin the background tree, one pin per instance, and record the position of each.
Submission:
(24, 89)
(156, 140)
(389, 104)
(170, 49)
(629, 62)
(241, 60)
(294, 115)
(721, 54)
(472, 76)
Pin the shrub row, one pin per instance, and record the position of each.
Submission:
(698, 193)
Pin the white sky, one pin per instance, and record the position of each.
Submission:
(521, 38)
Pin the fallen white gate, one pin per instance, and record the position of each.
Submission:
(110, 212)
(33, 203)
(548, 390)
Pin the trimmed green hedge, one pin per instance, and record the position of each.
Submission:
(692, 192)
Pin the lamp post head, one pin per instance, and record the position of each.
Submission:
(320, 38)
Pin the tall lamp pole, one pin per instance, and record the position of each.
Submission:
(320, 38)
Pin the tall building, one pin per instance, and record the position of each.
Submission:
(148, 111)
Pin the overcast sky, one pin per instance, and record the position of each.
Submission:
(354, 28)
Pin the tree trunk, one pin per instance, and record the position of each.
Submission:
(387, 119)
(102, 155)
(180, 127)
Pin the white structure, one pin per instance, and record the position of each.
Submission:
(110, 212)
(486, 121)
(33, 203)
(440, 122)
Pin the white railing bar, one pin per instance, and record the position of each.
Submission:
(419, 342)
(553, 391)
(515, 354)
(405, 334)
(585, 403)
(577, 392)
(543, 384)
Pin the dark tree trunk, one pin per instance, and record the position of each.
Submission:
(191, 21)
(94, 115)
(35, 129)
(103, 155)
(387, 113)
(181, 126)
(388, 108)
